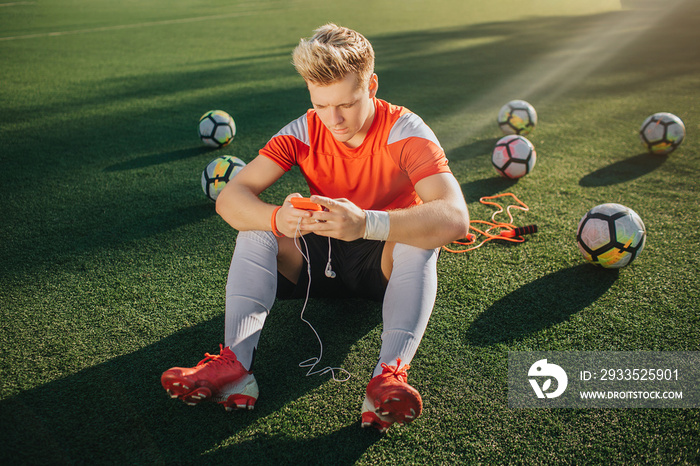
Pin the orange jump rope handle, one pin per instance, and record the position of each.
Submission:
(520, 231)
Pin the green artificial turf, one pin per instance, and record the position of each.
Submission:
(113, 262)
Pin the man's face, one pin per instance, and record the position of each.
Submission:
(344, 108)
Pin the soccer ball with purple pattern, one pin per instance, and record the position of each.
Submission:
(514, 156)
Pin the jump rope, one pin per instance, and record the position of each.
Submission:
(503, 232)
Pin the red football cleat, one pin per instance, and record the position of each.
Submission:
(219, 377)
(390, 399)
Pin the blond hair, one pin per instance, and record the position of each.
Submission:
(332, 53)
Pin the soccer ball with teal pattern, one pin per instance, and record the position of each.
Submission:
(611, 235)
(517, 117)
(219, 172)
(216, 128)
(662, 133)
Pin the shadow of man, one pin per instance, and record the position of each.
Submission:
(117, 411)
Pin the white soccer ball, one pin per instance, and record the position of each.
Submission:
(611, 235)
(662, 133)
(216, 128)
(514, 156)
(219, 172)
(517, 117)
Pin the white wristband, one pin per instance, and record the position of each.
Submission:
(376, 225)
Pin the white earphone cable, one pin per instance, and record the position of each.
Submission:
(312, 362)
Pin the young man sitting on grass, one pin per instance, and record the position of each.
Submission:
(389, 202)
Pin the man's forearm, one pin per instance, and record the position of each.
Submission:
(243, 210)
(429, 225)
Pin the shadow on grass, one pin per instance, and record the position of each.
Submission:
(624, 170)
(344, 446)
(541, 304)
(476, 149)
(158, 158)
(475, 190)
(118, 413)
(119, 228)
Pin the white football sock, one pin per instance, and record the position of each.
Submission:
(408, 303)
(250, 292)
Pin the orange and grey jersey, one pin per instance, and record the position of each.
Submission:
(398, 151)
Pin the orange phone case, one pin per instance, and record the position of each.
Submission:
(304, 203)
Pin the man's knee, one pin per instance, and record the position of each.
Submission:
(266, 238)
(402, 256)
(406, 255)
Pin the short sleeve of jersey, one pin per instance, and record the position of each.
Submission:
(416, 148)
(285, 147)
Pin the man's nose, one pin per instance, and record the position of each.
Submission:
(336, 116)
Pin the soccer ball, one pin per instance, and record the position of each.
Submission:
(662, 133)
(514, 156)
(517, 117)
(611, 235)
(218, 173)
(216, 128)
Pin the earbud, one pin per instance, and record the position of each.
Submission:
(329, 271)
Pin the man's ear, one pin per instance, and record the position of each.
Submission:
(373, 85)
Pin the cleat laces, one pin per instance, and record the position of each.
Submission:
(397, 371)
(216, 358)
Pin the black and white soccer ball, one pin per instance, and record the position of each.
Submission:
(517, 117)
(219, 172)
(611, 235)
(662, 133)
(216, 128)
(514, 156)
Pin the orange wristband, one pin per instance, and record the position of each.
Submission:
(273, 223)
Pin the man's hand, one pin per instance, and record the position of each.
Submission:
(289, 218)
(339, 219)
